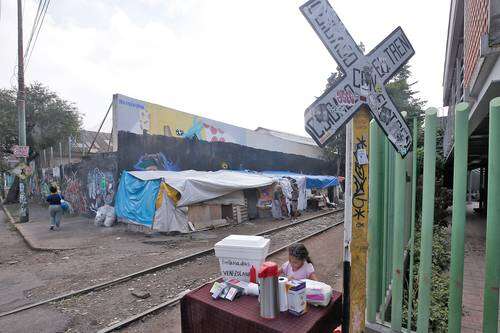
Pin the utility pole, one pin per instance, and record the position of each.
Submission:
(21, 102)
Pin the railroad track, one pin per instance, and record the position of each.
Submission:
(177, 299)
(163, 266)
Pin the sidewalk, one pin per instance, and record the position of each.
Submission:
(475, 246)
(76, 232)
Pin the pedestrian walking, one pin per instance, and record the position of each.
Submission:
(55, 209)
(276, 204)
(294, 212)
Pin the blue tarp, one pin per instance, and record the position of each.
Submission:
(312, 181)
(136, 199)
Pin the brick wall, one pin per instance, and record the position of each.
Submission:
(476, 24)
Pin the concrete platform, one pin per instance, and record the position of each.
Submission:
(76, 232)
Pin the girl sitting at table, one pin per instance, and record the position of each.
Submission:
(299, 265)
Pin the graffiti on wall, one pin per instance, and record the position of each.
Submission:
(47, 180)
(75, 193)
(158, 161)
(100, 188)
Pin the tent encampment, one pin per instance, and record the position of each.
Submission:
(158, 199)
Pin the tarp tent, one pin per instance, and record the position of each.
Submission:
(301, 183)
(145, 197)
(312, 181)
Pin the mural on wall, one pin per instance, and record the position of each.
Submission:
(158, 161)
(100, 188)
(140, 117)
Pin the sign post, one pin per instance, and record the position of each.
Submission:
(359, 93)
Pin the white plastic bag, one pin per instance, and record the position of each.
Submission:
(110, 216)
(318, 293)
(100, 216)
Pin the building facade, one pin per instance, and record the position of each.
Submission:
(472, 71)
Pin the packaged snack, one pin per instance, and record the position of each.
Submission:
(318, 293)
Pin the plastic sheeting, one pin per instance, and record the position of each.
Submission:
(312, 181)
(135, 199)
(199, 186)
(169, 218)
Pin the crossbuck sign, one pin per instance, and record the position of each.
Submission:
(364, 77)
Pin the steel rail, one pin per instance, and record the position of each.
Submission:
(168, 264)
(173, 301)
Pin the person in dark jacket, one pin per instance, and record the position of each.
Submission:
(55, 209)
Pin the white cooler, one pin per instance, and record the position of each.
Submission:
(238, 253)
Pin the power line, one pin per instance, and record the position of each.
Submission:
(43, 5)
(33, 28)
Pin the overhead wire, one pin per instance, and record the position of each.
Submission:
(33, 28)
(38, 27)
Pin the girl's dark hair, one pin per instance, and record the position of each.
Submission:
(53, 189)
(298, 250)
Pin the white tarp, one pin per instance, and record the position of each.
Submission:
(285, 184)
(169, 218)
(199, 186)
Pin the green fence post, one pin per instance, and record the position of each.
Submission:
(425, 269)
(398, 242)
(385, 216)
(374, 220)
(458, 217)
(492, 269)
(413, 217)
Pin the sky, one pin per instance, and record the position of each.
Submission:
(248, 63)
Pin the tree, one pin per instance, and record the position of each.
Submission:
(49, 119)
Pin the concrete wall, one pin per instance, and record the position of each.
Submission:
(87, 185)
(136, 116)
(168, 153)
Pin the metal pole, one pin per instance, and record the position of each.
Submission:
(21, 104)
(60, 154)
(69, 150)
(458, 216)
(385, 219)
(398, 242)
(425, 269)
(51, 156)
(360, 197)
(99, 130)
(492, 269)
(413, 217)
(44, 158)
(469, 184)
(375, 223)
(347, 228)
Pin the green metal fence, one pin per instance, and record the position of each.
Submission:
(392, 217)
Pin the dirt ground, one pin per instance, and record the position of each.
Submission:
(326, 253)
(27, 276)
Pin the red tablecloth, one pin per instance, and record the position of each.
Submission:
(201, 313)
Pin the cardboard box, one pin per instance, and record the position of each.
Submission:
(296, 297)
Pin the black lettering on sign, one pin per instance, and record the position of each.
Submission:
(381, 66)
(386, 51)
(356, 78)
(404, 42)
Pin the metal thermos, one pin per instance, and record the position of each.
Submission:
(268, 290)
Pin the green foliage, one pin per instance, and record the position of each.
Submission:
(403, 95)
(49, 118)
(438, 320)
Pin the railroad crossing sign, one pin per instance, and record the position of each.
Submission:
(364, 77)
